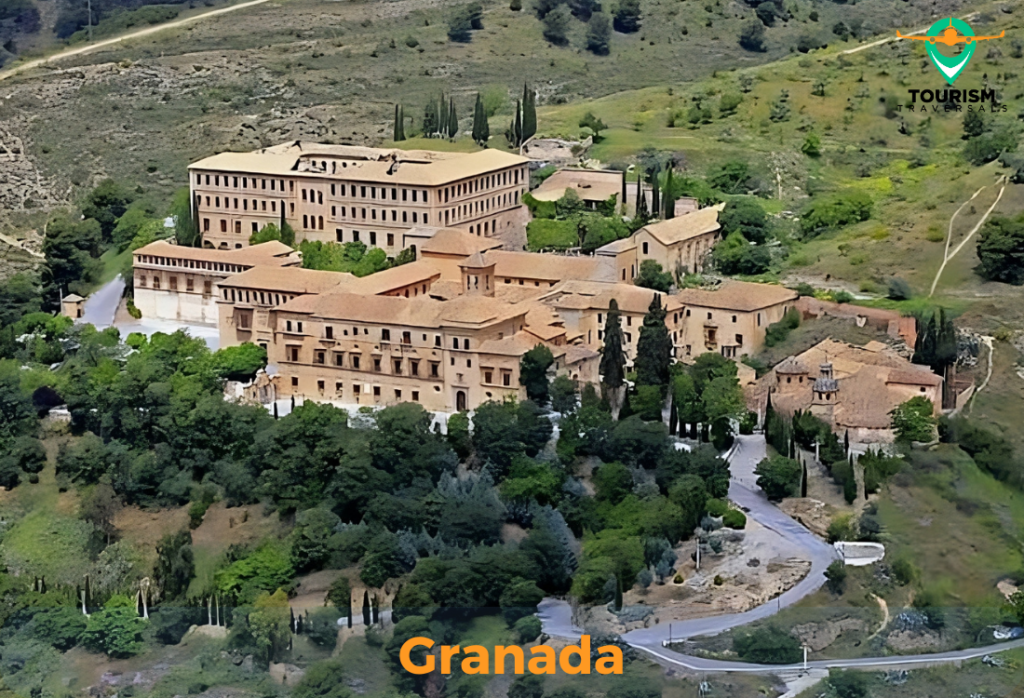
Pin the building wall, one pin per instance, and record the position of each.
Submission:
(329, 208)
(308, 363)
(689, 253)
(184, 295)
(723, 331)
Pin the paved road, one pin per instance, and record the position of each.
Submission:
(67, 53)
(101, 306)
(556, 615)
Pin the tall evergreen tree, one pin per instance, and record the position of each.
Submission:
(399, 134)
(453, 119)
(481, 130)
(641, 201)
(613, 359)
(656, 191)
(654, 348)
(430, 125)
(529, 114)
(516, 129)
(442, 117)
(366, 609)
(668, 198)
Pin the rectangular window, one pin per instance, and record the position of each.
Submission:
(397, 366)
(329, 332)
(320, 357)
(355, 362)
(293, 353)
(338, 388)
(434, 369)
(398, 394)
(339, 359)
(373, 235)
(506, 378)
(488, 375)
(414, 368)
(376, 391)
(391, 239)
(320, 387)
(376, 365)
(415, 396)
(385, 335)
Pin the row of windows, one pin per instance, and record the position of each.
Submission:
(309, 222)
(245, 182)
(255, 297)
(172, 283)
(192, 264)
(500, 179)
(357, 390)
(257, 205)
(476, 208)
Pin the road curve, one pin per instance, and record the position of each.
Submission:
(556, 615)
(67, 53)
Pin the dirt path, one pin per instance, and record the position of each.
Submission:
(17, 243)
(947, 255)
(67, 53)
(987, 341)
(885, 617)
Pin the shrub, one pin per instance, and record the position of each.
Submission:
(716, 507)
(899, 290)
(527, 629)
(904, 571)
(735, 519)
(835, 577)
(835, 211)
(848, 684)
(768, 645)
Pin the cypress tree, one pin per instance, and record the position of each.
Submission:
(396, 132)
(366, 609)
(846, 442)
(275, 410)
(618, 592)
(375, 608)
(453, 120)
(430, 119)
(669, 201)
(529, 114)
(481, 130)
(654, 348)
(281, 225)
(613, 360)
(641, 201)
(655, 192)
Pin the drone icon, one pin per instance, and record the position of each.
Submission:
(950, 37)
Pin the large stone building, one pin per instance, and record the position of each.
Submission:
(177, 283)
(852, 388)
(680, 245)
(342, 193)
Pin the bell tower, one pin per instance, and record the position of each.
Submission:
(477, 276)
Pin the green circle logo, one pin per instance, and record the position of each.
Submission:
(950, 32)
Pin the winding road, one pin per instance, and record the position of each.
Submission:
(556, 615)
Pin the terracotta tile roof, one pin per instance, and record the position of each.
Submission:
(72, 298)
(614, 248)
(737, 295)
(475, 261)
(418, 272)
(383, 166)
(686, 226)
(913, 377)
(342, 305)
(515, 345)
(268, 253)
(445, 288)
(574, 353)
(590, 185)
(452, 241)
(550, 267)
(289, 280)
(791, 366)
(582, 295)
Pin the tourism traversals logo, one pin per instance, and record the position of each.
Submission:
(951, 32)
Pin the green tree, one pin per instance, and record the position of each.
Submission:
(267, 233)
(239, 363)
(752, 37)
(779, 477)
(599, 34)
(848, 684)
(527, 629)
(835, 577)
(627, 16)
(186, 227)
(613, 358)
(399, 131)
(913, 420)
(175, 564)
(653, 276)
(1001, 250)
(519, 600)
(613, 482)
(382, 560)
(529, 686)
(812, 146)
(974, 124)
(116, 630)
(556, 27)
(322, 680)
(460, 27)
(529, 126)
(654, 348)
(481, 129)
(340, 595)
(747, 217)
(268, 624)
(690, 494)
(767, 645)
(563, 394)
(594, 124)
(105, 204)
(533, 373)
